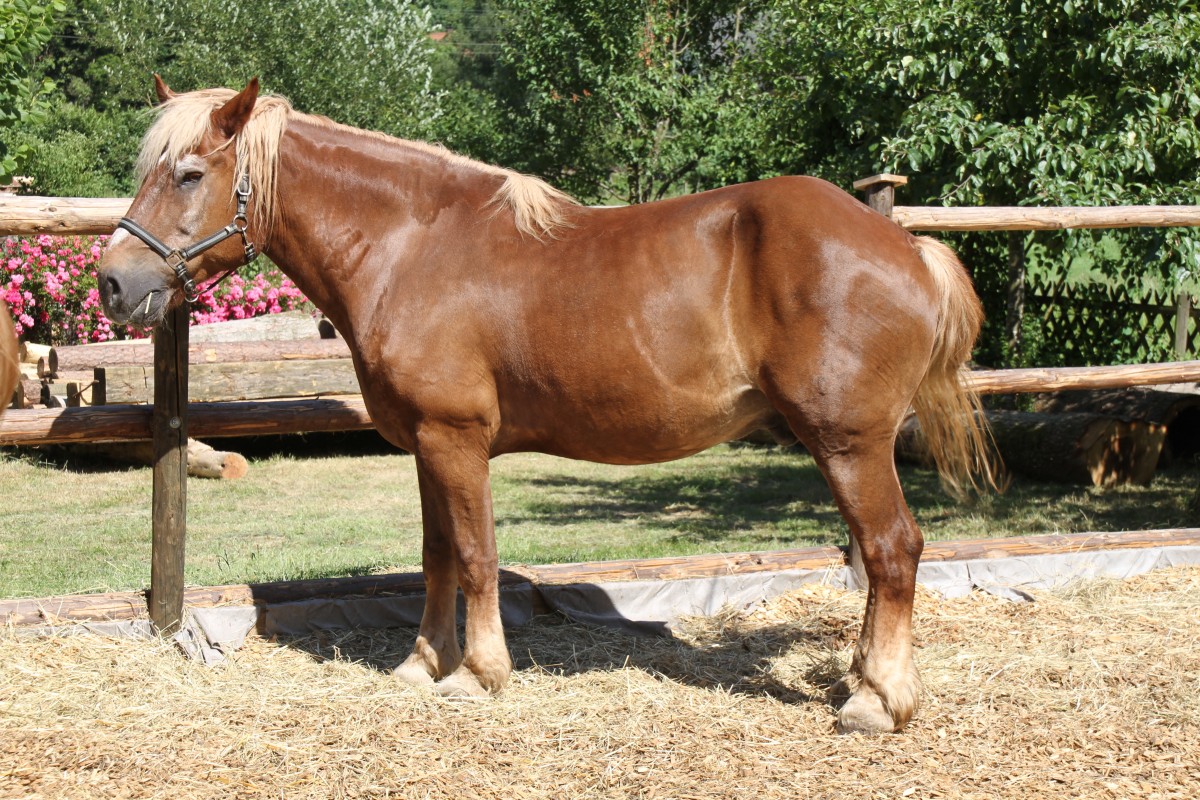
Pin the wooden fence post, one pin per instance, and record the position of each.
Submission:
(1183, 315)
(1016, 293)
(880, 191)
(169, 504)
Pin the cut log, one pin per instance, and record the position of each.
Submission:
(1090, 449)
(237, 381)
(27, 394)
(141, 352)
(202, 460)
(1178, 411)
(32, 351)
(77, 387)
(289, 325)
(205, 462)
(47, 366)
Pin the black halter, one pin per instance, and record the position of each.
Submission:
(177, 258)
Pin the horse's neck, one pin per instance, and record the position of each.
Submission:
(342, 195)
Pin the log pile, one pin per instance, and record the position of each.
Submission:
(1104, 438)
(296, 357)
(1178, 411)
(278, 356)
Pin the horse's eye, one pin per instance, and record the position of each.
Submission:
(190, 178)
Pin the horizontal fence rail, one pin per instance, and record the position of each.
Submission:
(130, 422)
(25, 216)
(29, 216)
(1058, 379)
(1031, 218)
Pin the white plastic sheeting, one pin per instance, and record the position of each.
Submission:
(645, 607)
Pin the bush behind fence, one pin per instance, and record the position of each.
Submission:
(1083, 324)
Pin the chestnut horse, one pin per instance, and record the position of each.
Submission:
(489, 313)
(10, 371)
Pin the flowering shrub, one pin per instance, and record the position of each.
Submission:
(236, 297)
(49, 283)
(50, 287)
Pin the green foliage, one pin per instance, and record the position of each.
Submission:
(624, 100)
(362, 62)
(1009, 103)
(79, 151)
(25, 29)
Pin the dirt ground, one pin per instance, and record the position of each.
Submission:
(1089, 692)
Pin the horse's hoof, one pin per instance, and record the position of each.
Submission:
(864, 713)
(413, 675)
(462, 684)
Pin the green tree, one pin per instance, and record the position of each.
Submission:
(626, 100)
(986, 103)
(25, 30)
(361, 62)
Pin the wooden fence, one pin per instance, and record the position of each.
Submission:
(1089, 320)
(1086, 321)
(170, 419)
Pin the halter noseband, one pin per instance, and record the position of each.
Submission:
(177, 258)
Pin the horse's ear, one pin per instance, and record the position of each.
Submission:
(161, 89)
(231, 117)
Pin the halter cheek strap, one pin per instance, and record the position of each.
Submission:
(177, 258)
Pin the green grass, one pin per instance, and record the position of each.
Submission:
(71, 526)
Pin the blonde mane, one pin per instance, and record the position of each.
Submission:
(538, 209)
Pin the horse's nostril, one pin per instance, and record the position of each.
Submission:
(114, 288)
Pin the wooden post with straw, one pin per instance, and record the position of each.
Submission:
(169, 504)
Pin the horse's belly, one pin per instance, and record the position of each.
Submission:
(634, 429)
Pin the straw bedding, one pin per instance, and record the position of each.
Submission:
(1090, 692)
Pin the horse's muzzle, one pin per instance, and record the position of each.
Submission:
(134, 298)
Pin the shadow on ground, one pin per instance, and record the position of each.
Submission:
(693, 506)
(729, 657)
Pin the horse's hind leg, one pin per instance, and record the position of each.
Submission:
(882, 684)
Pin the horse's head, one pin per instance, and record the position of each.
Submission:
(171, 237)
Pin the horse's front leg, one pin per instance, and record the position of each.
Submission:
(436, 653)
(460, 547)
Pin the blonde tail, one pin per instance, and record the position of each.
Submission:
(951, 416)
